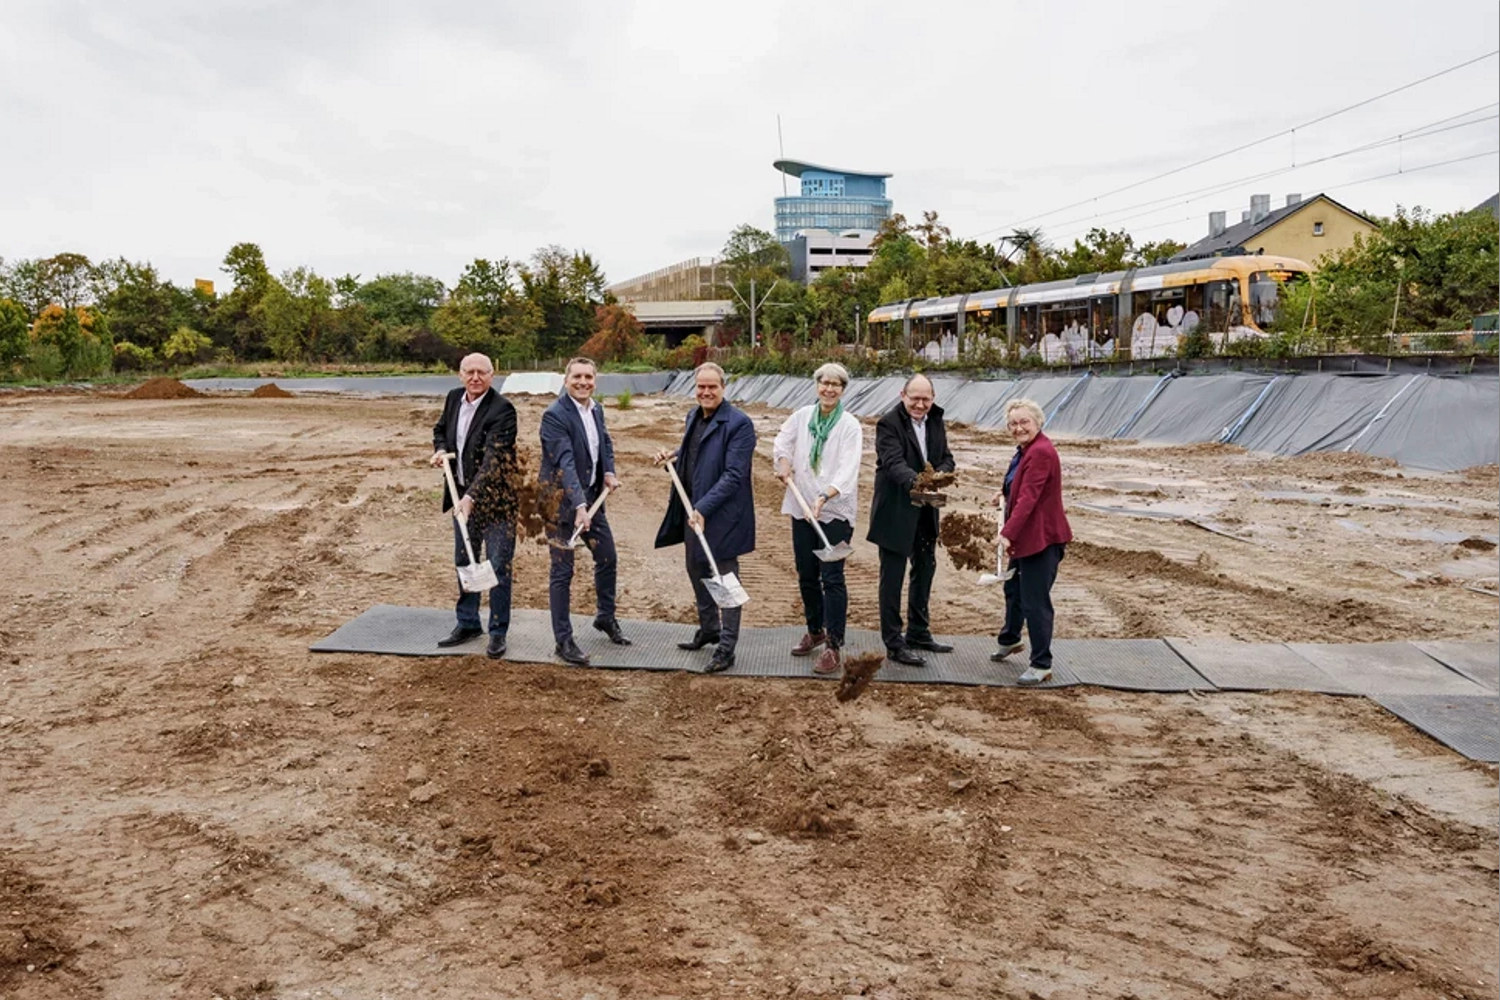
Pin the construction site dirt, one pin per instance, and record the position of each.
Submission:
(196, 806)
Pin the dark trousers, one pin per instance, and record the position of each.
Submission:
(923, 561)
(711, 617)
(497, 543)
(825, 598)
(601, 543)
(1028, 598)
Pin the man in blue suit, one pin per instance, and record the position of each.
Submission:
(713, 462)
(578, 459)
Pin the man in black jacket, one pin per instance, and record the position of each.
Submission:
(907, 439)
(479, 425)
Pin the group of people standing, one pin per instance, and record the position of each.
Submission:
(817, 454)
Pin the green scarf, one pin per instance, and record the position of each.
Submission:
(821, 427)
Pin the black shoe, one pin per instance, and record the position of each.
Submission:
(496, 648)
(930, 644)
(459, 636)
(721, 661)
(700, 639)
(611, 628)
(906, 656)
(568, 652)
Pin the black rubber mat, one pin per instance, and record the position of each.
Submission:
(1478, 661)
(1468, 724)
(762, 652)
(1247, 666)
(1377, 668)
(1129, 664)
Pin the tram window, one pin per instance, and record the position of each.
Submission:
(1265, 295)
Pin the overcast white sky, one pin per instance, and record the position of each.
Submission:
(418, 136)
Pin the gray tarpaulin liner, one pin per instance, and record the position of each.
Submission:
(636, 383)
(1192, 410)
(1443, 423)
(1101, 406)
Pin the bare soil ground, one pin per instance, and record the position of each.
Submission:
(195, 806)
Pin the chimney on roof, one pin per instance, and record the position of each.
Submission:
(1293, 199)
(1260, 206)
(1215, 224)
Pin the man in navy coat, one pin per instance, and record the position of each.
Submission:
(479, 425)
(713, 462)
(578, 459)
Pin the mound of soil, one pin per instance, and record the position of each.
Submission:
(163, 388)
(270, 391)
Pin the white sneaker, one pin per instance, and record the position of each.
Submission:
(1032, 676)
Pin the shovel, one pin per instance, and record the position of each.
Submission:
(577, 538)
(479, 575)
(1002, 571)
(828, 553)
(725, 590)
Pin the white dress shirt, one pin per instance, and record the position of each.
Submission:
(920, 428)
(840, 465)
(466, 409)
(591, 431)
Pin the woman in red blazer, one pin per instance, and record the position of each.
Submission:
(1033, 537)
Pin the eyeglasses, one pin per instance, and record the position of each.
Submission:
(832, 383)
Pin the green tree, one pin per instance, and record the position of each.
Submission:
(15, 333)
(238, 322)
(488, 312)
(297, 312)
(142, 308)
(404, 299)
(565, 287)
(22, 283)
(1444, 266)
(67, 278)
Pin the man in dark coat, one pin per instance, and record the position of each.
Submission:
(713, 462)
(578, 459)
(907, 439)
(479, 425)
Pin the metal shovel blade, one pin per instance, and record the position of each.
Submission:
(726, 591)
(835, 553)
(478, 577)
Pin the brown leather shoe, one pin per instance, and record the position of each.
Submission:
(810, 642)
(828, 662)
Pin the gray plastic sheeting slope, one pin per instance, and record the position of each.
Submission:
(1434, 426)
(1195, 410)
(1443, 423)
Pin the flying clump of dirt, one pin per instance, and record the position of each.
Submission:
(163, 388)
(507, 488)
(270, 391)
(970, 541)
(859, 671)
(929, 485)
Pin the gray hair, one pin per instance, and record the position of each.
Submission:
(832, 370)
(918, 375)
(1033, 410)
(709, 366)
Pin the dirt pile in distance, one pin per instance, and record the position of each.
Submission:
(270, 391)
(970, 541)
(163, 388)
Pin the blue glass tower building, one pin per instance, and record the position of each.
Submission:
(830, 199)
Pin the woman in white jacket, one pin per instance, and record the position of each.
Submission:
(819, 449)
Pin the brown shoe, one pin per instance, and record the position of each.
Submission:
(810, 642)
(828, 662)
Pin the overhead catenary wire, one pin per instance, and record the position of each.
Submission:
(1335, 187)
(1244, 146)
(1186, 197)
